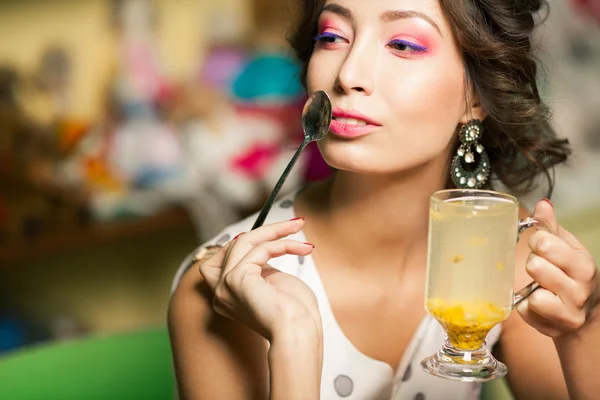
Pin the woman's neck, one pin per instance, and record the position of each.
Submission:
(374, 220)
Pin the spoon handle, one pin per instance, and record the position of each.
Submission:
(260, 220)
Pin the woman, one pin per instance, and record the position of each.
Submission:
(283, 320)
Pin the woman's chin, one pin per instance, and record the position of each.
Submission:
(365, 157)
(372, 165)
(342, 161)
(355, 165)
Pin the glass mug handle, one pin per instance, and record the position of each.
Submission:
(524, 293)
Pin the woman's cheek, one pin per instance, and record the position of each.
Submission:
(310, 75)
(321, 71)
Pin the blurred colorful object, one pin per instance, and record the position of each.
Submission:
(589, 7)
(99, 174)
(69, 132)
(269, 87)
(269, 79)
(12, 333)
(221, 66)
(255, 161)
(141, 82)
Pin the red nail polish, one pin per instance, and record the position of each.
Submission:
(548, 201)
(310, 244)
(297, 219)
(239, 234)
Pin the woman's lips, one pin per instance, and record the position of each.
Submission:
(352, 123)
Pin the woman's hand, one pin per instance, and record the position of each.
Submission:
(567, 275)
(249, 291)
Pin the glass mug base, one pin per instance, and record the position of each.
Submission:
(465, 366)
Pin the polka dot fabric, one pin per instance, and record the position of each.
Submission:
(343, 385)
(347, 373)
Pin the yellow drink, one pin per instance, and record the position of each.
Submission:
(467, 325)
(470, 274)
(471, 266)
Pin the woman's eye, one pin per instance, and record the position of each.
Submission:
(404, 46)
(327, 37)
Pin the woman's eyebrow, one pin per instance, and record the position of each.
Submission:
(340, 10)
(390, 16)
(387, 16)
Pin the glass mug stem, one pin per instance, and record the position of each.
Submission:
(524, 293)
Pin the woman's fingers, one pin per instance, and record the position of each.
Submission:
(543, 325)
(247, 241)
(551, 253)
(252, 263)
(206, 252)
(560, 253)
(554, 279)
(226, 258)
(211, 269)
(567, 274)
(544, 212)
(543, 305)
(243, 291)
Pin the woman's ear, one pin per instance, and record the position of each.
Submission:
(473, 107)
(474, 111)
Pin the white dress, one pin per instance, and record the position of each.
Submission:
(348, 373)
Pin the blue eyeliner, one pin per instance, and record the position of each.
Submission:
(327, 35)
(414, 47)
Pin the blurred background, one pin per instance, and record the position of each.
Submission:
(132, 130)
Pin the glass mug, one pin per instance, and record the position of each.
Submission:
(470, 277)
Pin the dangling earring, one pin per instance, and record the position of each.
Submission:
(470, 169)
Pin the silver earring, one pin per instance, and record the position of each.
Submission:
(471, 165)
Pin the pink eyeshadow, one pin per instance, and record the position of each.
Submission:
(327, 23)
(423, 41)
(412, 30)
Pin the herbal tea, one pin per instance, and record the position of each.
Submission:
(470, 270)
(471, 266)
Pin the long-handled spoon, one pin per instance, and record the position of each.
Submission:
(316, 118)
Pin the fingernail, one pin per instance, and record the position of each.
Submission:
(239, 234)
(548, 201)
(297, 219)
(310, 244)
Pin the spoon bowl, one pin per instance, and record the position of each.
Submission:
(316, 116)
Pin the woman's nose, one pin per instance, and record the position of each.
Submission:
(357, 72)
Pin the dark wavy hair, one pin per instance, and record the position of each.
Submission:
(494, 37)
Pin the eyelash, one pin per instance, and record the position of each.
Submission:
(330, 38)
(327, 35)
(413, 48)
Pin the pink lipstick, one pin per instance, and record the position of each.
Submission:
(351, 123)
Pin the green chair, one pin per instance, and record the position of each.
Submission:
(116, 367)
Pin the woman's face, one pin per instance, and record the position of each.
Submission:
(396, 81)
